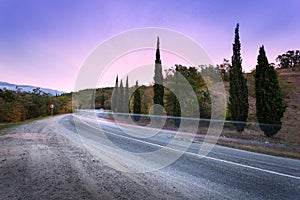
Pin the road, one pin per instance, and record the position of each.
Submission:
(224, 173)
(235, 174)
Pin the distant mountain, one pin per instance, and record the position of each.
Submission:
(29, 88)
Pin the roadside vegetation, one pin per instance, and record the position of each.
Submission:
(16, 106)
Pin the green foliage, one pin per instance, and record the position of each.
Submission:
(269, 105)
(216, 73)
(176, 104)
(175, 87)
(137, 102)
(192, 75)
(146, 98)
(224, 69)
(238, 99)
(18, 106)
(121, 98)
(102, 100)
(86, 96)
(176, 84)
(126, 97)
(210, 73)
(158, 87)
(115, 97)
(290, 59)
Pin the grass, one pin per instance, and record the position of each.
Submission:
(282, 152)
(252, 140)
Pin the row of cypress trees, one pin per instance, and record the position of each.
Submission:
(121, 100)
(269, 104)
(120, 97)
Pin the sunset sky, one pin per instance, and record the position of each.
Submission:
(44, 43)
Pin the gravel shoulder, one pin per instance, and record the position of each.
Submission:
(45, 160)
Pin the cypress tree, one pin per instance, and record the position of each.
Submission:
(238, 99)
(102, 100)
(126, 97)
(269, 105)
(137, 102)
(121, 98)
(158, 87)
(115, 96)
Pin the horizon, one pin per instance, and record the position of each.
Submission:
(45, 43)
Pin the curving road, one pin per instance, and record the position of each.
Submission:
(224, 173)
(84, 157)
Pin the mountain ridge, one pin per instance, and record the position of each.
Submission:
(28, 88)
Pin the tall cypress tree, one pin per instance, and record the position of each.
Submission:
(115, 96)
(137, 102)
(121, 98)
(238, 99)
(269, 105)
(158, 87)
(126, 97)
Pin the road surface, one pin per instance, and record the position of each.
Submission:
(56, 164)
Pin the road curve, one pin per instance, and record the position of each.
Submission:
(225, 173)
(46, 159)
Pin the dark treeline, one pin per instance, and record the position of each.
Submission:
(18, 105)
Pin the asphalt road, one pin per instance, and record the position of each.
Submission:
(224, 173)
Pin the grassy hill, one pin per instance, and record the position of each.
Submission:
(286, 141)
(290, 85)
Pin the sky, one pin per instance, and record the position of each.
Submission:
(44, 43)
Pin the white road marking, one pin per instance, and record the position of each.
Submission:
(194, 154)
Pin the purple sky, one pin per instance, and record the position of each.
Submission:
(44, 43)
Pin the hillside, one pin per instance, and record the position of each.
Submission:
(290, 85)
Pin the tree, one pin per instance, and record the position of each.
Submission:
(102, 100)
(238, 99)
(176, 104)
(210, 73)
(115, 96)
(158, 87)
(146, 98)
(269, 105)
(173, 92)
(224, 69)
(290, 59)
(175, 80)
(136, 102)
(121, 98)
(126, 97)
